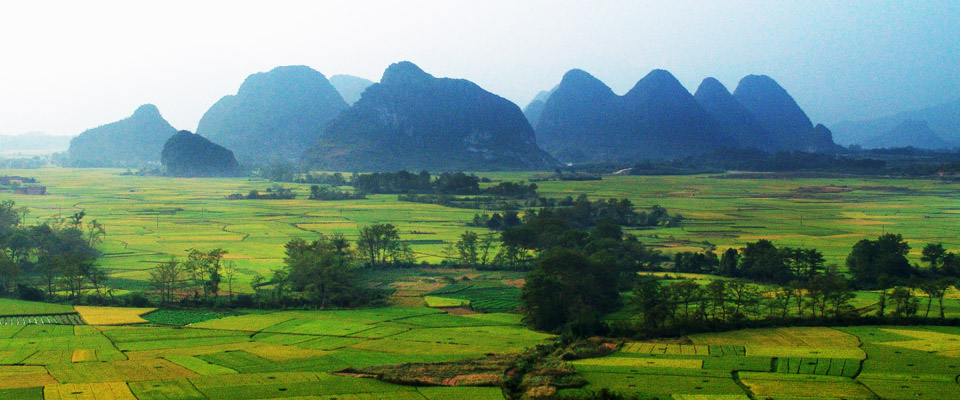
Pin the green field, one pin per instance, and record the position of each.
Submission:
(150, 219)
(808, 363)
(252, 356)
(191, 354)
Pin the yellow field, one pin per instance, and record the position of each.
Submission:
(112, 315)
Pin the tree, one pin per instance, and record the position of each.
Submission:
(230, 272)
(561, 280)
(762, 261)
(380, 244)
(166, 277)
(932, 254)
(650, 301)
(686, 292)
(279, 281)
(257, 283)
(322, 270)
(934, 289)
(205, 269)
(9, 273)
(467, 248)
(883, 283)
(837, 292)
(729, 262)
(886, 255)
(904, 303)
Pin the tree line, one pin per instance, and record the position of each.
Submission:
(56, 256)
(760, 283)
(321, 273)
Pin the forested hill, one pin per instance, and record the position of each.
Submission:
(412, 120)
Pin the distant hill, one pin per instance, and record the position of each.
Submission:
(533, 110)
(781, 116)
(584, 121)
(735, 119)
(132, 142)
(909, 133)
(274, 115)
(412, 120)
(350, 87)
(943, 120)
(190, 155)
(33, 143)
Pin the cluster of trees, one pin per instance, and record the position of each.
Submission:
(276, 192)
(407, 182)
(685, 305)
(318, 192)
(572, 283)
(581, 213)
(940, 260)
(57, 255)
(760, 261)
(379, 245)
(320, 274)
(474, 250)
(285, 171)
(199, 277)
(577, 274)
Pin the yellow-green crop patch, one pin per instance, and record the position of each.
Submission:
(661, 385)
(149, 219)
(178, 389)
(19, 307)
(443, 302)
(913, 389)
(768, 385)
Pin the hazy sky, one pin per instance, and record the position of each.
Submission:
(72, 65)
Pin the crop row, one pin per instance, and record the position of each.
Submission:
(59, 319)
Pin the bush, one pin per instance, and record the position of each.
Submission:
(29, 293)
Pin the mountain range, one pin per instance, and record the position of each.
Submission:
(583, 120)
(274, 114)
(132, 142)
(413, 120)
(942, 129)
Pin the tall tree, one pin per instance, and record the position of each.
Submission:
(932, 254)
(166, 278)
(322, 270)
(886, 255)
(380, 244)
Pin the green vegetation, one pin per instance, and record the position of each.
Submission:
(9, 307)
(611, 262)
(182, 317)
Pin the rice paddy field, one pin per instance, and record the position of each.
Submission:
(297, 355)
(150, 219)
(261, 355)
(876, 362)
(50, 351)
